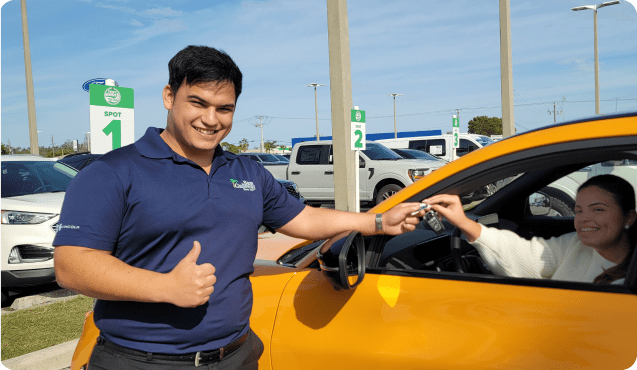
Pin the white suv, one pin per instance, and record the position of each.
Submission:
(33, 189)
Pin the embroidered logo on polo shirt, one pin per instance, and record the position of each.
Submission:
(245, 185)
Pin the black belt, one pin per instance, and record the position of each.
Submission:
(199, 358)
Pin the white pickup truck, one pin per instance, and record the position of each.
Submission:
(382, 172)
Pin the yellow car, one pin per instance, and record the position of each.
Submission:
(409, 302)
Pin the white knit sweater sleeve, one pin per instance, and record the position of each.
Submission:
(508, 254)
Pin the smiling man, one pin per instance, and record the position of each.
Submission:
(164, 231)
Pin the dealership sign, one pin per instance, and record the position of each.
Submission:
(98, 81)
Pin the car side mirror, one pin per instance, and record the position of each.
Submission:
(342, 260)
(539, 204)
(361, 163)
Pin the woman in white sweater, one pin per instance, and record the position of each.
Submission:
(598, 251)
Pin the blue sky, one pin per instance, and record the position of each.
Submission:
(441, 56)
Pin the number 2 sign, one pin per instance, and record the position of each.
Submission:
(358, 129)
(112, 117)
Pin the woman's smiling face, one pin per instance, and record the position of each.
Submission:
(599, 220)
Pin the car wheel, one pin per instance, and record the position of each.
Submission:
(560, 209)
(386, 192)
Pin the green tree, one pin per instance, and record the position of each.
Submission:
(269, 145)
(484, 125)
(5, 149)
(244, 145)
(230, 147)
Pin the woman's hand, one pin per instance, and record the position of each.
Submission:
(450, 207)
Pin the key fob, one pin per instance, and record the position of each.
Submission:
(433, 222)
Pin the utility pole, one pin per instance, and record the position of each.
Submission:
(52, 146)
(260, 124)
(555, 112)
(316, 108)
(33, 126)
(341, 97)
(506, 70)
(395, 127)
(594, 8)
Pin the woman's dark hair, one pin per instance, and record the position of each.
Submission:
(624, 195)
(195, 64)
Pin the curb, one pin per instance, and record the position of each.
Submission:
(41, 299)
(57, 357)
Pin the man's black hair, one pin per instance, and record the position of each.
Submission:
(201, 64)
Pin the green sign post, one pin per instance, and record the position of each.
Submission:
(358, 129)
(456, 132)
(112, 117)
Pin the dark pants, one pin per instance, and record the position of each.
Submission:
(246, 357)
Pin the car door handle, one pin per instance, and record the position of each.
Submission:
(296, 173)
(329, 172)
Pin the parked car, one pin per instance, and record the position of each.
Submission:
(418, 154)
(382, 172)
(264, 158)
(79, 160)
(282, 158)
(423, 300)
(440, 145)
(33, 189)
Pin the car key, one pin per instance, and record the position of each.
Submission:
(431, 218)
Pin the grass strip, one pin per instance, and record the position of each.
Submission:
(30, 330)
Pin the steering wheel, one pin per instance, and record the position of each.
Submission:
(43, 187)
(456, 255)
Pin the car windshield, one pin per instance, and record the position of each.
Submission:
(419, 154)
(31, 177)
(380, 152)
(268, 158)
(484, 140)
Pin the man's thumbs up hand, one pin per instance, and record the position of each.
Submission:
(191, 284)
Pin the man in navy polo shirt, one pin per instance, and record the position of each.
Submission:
(163, 232)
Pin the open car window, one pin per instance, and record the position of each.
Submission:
(538, 202)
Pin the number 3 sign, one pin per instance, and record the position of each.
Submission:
(112, 118)
(358, 129)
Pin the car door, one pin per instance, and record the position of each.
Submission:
(313, 173)
(419, 313)
(426, 322)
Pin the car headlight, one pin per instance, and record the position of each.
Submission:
(418, 174)
(25, 218)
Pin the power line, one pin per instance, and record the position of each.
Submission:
(451, 110)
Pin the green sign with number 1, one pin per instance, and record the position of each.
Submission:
(112, 117)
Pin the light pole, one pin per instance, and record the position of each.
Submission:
(395, 128)
(594, 8)
(87, 139)
(316, 108)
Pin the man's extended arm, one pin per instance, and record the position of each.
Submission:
(323, 223)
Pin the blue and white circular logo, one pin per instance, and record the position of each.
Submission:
(358, 115)
(112, 96)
